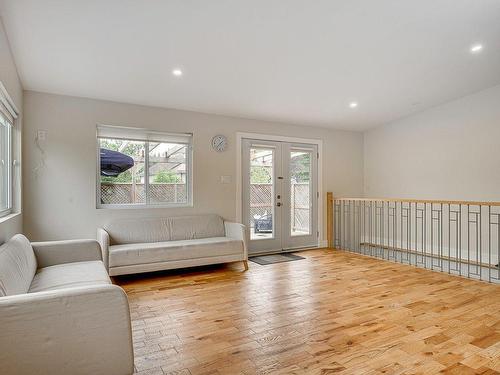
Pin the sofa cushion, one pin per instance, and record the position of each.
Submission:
(142, 253)
(69, 275)
(17, 266)
(159, 229)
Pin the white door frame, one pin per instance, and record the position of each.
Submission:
(270, 137)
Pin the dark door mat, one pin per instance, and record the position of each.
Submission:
(274, 258)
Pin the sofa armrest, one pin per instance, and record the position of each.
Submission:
(82, 330)
(58, 252)
(237, 231)
(103, 239)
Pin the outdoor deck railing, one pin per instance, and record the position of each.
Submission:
(456, 237)
(123, 193)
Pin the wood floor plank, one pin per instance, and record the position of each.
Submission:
(332, 313)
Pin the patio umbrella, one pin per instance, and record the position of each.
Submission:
(113, 162)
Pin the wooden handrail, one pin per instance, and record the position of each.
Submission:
(433, 201)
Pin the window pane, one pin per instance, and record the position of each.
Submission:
(122, 179)
(168, 173)
(4, 164)
(300, 180)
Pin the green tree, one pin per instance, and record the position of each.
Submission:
(166, 177)
(300, 167)
(132, 148)
(124, 177)
(260, 175)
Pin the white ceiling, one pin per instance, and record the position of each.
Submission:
(296, 61)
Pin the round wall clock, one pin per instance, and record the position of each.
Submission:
(219, 143)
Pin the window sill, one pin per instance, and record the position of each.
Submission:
(141, 206)
(8, 217)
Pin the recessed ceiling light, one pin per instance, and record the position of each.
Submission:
(476, 48)
(177, 72)
(353, 104)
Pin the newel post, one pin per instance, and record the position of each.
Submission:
(329, 220)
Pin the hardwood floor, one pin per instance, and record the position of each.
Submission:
(333, 312)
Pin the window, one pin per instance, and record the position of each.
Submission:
(142, 168)
(5, 165)
(8, 114)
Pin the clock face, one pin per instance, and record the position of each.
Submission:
(219, 143)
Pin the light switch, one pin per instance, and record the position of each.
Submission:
(225, 179)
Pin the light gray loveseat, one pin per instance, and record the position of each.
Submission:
(59, 312)
(154, 244)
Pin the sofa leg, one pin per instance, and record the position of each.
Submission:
(245, 264)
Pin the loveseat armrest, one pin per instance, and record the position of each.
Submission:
(103, 239)
(236, 231)
(76, 331)
(50, 253)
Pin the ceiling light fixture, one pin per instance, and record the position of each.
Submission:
(353, 104)
(177, 72)
(476, 48)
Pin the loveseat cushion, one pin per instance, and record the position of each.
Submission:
(143, 253)
(17, 266)
(159, 229)
(69, 275)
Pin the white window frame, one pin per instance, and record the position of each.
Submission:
(146, 136)
(10, 113)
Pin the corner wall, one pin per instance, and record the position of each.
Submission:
(450, 152)
(60, 199)
(12, 224)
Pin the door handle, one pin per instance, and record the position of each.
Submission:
(278, 204)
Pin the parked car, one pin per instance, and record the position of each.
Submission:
(263, 223)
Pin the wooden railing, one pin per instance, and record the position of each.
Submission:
(457, 237)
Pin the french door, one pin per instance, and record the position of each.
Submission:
(280, 195)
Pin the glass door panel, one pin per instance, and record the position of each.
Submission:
(261, 193)
(300, 227)
(300, 192)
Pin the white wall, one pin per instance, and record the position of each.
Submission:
(448, 152)
(60, 202)
(8, 76)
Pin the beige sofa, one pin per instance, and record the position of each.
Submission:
(154, 244)
(59, 312)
